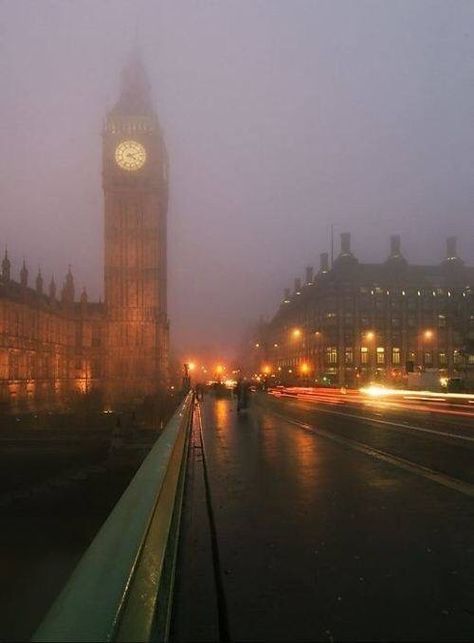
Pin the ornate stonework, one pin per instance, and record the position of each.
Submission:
(52, 348)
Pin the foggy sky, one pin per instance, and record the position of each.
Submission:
(281, 117)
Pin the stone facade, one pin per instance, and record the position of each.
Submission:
(356, 322)
(52, 348)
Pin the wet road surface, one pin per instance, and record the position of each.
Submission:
(320, 539)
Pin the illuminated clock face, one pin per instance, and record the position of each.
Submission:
(130, 155)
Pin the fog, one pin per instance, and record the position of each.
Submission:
(280, 117)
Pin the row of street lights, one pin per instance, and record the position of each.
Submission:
(297, 333)
(218, 370)
(305, 368)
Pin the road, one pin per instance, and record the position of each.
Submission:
(327, 521)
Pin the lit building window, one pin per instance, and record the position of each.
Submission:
(395, 356)
(331, 355)
(457, 357)
(364, 355)
(442, 359)
(428, 358)
(380, 355)
(349, 356)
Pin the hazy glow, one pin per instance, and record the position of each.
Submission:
(281, 118)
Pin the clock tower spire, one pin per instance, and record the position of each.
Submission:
(135, 184)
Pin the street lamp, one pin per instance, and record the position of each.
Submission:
(369, 337)
(304, 371)
(319, 358)
(428, 335)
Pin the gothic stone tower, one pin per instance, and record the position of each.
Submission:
(135, 183)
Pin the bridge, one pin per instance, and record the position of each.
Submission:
(316, 515)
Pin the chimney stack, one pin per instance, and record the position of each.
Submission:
(309, 274)
(345, 243)
(395, 245)
(297, 284)
(451, 252)
(324, 262)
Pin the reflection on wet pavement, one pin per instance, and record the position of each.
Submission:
(319, 542)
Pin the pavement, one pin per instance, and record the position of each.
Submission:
(312, 522)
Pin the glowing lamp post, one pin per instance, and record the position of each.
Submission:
(428, 336)
(305, 370)
(369, 338)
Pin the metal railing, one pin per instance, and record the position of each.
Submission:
(122, 587)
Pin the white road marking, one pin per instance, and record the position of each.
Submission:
(418, 469)
(396, 424)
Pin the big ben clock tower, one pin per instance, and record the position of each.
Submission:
(135, 183)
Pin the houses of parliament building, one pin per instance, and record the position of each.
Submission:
(55, 345)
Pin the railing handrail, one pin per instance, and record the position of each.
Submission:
(113, 592)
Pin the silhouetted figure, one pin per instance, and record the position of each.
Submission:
(242, 390)
(199, 390)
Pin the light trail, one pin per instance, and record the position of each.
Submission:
(379, 398)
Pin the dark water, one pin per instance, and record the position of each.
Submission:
(43, 536)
